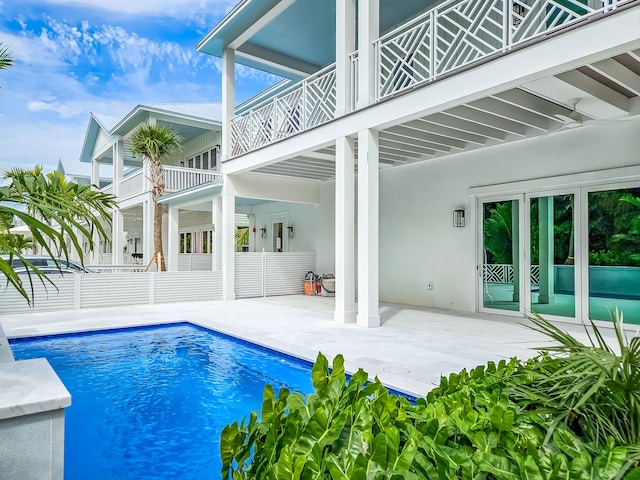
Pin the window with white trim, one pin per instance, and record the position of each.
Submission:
(207, 160)
(198, 241)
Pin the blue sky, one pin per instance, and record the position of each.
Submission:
(79, 56)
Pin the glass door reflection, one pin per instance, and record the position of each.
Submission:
(552, 251)
(500, 255)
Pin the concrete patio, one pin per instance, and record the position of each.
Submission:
(409, 352)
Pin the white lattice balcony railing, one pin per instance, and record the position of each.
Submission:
(181, 178)
(298, 108)
(452, 35)
(457, 33)
(503, 273)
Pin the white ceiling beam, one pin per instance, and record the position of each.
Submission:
(391, 156)
(311, 164)
(487, 119)
(447, 120)
(635, 54)
(410, 149)
(449, 132)
(533, 103)
(387, 156)
(511, 112)
(256, 26)
(420, 132)
(587, 84)
(409, 138)
(320, 156)
(619, 74)
(281, 173)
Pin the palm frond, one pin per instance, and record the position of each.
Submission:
(53, 210)
(594, 385)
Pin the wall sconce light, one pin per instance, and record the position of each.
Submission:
(263, 232)
(458, 217)
(290, 232)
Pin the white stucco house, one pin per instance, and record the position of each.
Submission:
(469, 155)
(404, 132)
(106, 152)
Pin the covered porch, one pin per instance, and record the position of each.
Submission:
(554, 116)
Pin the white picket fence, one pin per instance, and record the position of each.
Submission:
(74, 292)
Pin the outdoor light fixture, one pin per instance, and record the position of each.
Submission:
(263, 232)
(458, 217)
(290, 232)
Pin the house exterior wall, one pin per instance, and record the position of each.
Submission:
(303, 218)
(197, 145)
(103, 143)
(193, 218)
(417, 240)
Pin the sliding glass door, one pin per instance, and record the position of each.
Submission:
(572, 253)
(499, 269)
(614, 253)
(552, 250)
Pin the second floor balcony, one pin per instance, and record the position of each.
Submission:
(450, 37)
(175, 179)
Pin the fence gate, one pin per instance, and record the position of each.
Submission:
(262, 274)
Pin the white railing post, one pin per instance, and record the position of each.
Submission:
(432, 45)
(305, 99)
(274, 120)
(506, 24)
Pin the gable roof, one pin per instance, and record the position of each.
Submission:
(195, 118)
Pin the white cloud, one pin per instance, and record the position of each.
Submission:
(64, 71)
(172, 8)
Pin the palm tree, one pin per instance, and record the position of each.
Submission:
(155, 143)
(6, 57)
(57, 213)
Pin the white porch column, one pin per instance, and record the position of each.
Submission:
(95, 173)
(147, 229)
(217, 233)
(228, 244)
(117, 235)
(368, 32)
(345, 307)
(117, 238)
(173, 239)
(546, 250)
(368, 211)
(345, 45)
(118, 165)
(228, 99)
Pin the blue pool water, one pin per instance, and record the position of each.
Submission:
(150, 403)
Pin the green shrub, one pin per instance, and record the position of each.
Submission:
(492, 422)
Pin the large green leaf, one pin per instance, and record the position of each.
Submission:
(501, 467)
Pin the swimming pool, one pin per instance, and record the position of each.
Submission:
(150, 403)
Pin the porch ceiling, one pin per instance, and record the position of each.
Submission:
(293, 39)
(605, 91)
